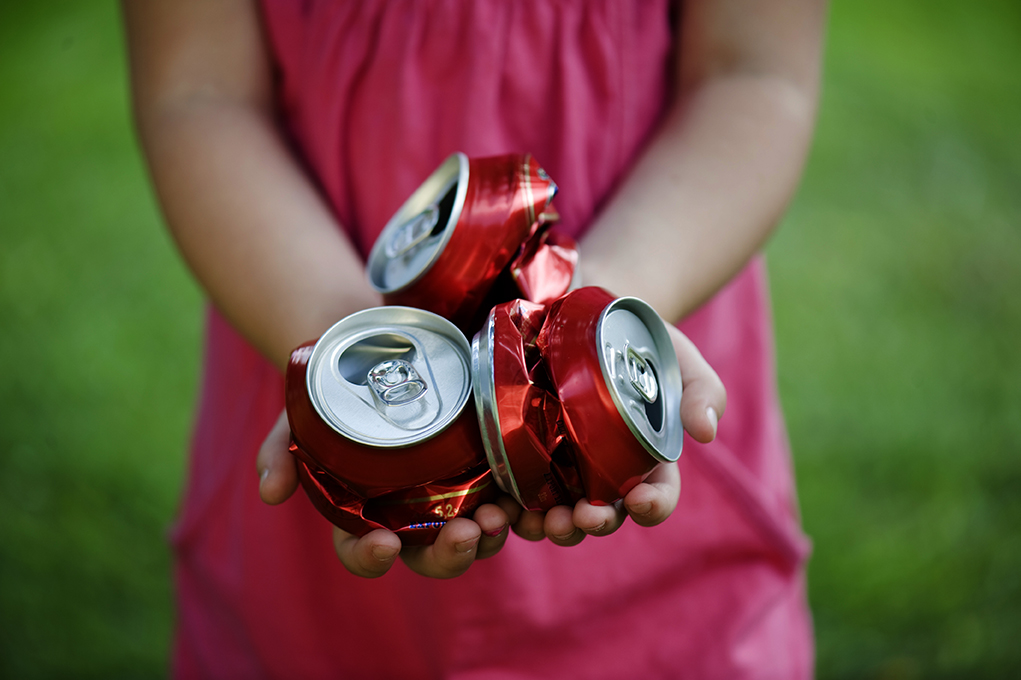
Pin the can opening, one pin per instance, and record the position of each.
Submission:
(359, 359)
(446, 207)
(654, 409)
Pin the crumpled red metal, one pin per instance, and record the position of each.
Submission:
(540, 460)
(501, 248)
(416, 514)
(360, 488)
(561, 433)
(611, 460)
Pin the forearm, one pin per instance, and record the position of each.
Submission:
(705, 195)
(249, 222)
(251, 226)
(717, 176)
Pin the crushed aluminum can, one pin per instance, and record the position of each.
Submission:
(615, 372)
(416, 514)
(578, 399)
(519, 413)
(380, 423)
(474, 226)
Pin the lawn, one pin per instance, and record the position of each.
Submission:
(897, 296)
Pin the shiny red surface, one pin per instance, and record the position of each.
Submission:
(416, 514)
(543, 272)
(611, 461)
(538, 454)
(502, 209)
(369, 471)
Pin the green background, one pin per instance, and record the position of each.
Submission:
(897, 295)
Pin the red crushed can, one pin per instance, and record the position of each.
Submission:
(520, 415)
(382, 427)
(580, 399)
(472, 226)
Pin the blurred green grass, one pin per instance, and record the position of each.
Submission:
(896, 281)
(98, 353)
(897, 294)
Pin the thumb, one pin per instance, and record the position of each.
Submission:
(704, 399)
(278, 472)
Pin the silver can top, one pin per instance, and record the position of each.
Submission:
(640, 368)
(390, 376)
(413, 239)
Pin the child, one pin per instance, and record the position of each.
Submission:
(282, 135)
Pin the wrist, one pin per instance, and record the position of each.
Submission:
(311, 315)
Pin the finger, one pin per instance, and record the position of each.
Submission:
(559, 527)
(494, 523)
(598, 520)
(704, 398)
(370, 556)
(530, 525)
(278, 472)
(453, 552)
(652, 501)
(511, 507)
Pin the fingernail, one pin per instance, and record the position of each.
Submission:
(641, 509)
(495, 533)
(714, 420)
(564, 537)
(263, 476)
(384, 553)
(595, 530)
(466, 546)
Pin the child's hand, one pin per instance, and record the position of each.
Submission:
(462, 541)
(459, 544)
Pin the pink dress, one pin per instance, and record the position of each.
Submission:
(376, 94)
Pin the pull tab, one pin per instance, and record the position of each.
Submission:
(413, 232)
(396, 382)
(640, 373)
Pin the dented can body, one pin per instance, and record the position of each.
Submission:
(416, 514)
(519, 413)
(615, 372)
(382, 425)
(469, 224)
(578, 399)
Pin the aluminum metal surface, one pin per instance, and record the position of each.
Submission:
(390, 376)
(547, 267)
(416, 514)
(459, 253)
(519, 416)
(416, 235)
(640, 368)
(484, 388)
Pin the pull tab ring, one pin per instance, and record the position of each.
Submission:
(396, 382)
(640, 374)
(413, 232)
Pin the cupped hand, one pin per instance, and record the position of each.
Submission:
(703, 402)
(460, 542)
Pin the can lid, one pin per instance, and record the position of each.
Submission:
(640, 369)
(416, 235)
(390, 376)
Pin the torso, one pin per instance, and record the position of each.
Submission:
(376, 94)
